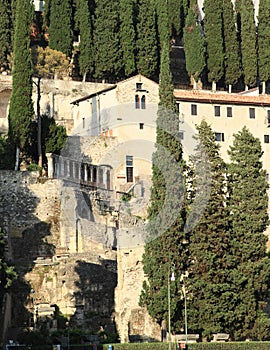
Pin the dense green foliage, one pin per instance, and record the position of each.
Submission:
(161, 254)
(108, 54)
(54, 136)
(128, 35)
(147, 41)
(60, 27)
(248, 42)
(263, 40)
(194, 44)
(86, 47)
(53, 139)
(248, 203)
(231, 46)
(5, 32)
(174, 15)
(21, 106)
(208, 296)
(7, 273)
(85, 26)
(214, 39)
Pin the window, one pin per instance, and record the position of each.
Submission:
(141, 125)
(181, 135)
(129, 168)
(129, 160)
(229, 112)
(219, 136)
(138, 86)
(137, 102)
(217, 111)
(83, 123)
(268, 117)
(252, 113)
(193, 109)
(143, 102)
(266, 138)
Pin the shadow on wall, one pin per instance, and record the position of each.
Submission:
(28, 239)
(95, 297)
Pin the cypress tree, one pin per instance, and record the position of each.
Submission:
(264, 40)
(194, 44)
(166, 250)
(128, 35)
(208, 300)
(248, 203)
(86, 57)
(214, 39)
(163, 22)
(174, 15)
(231, 45)
(21, 106)
(108, 54)
(147, 41)
(60, 27)
(5, 32)
(248, 42)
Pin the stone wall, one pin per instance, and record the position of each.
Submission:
(74, 271)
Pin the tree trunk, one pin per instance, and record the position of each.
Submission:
(17, 159)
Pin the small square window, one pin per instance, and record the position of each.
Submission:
(141, 125)
(229, 112)
(193, 109)
(181, 135)
(220, 136)
(217, 111)
(252, 113)
(266, 138)
(138, 86)
(129, 160)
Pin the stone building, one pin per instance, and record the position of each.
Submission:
(83, 228)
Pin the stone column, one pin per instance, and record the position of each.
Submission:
(50, 165)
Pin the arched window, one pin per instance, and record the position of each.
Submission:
(137, 102)
(143, 102)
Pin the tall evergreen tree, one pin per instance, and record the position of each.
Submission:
(21, 106)
(60, 26)
(5, 32)
(248, 203)
(108, 54)
(248, 42)
(128, 35)
(264, 40)
(194, 44)
(85, 26)
(174, 15)
(231, 45)
(147, 41)
(214, 39)
(162, 22)
(166, 250)
(208, 298)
